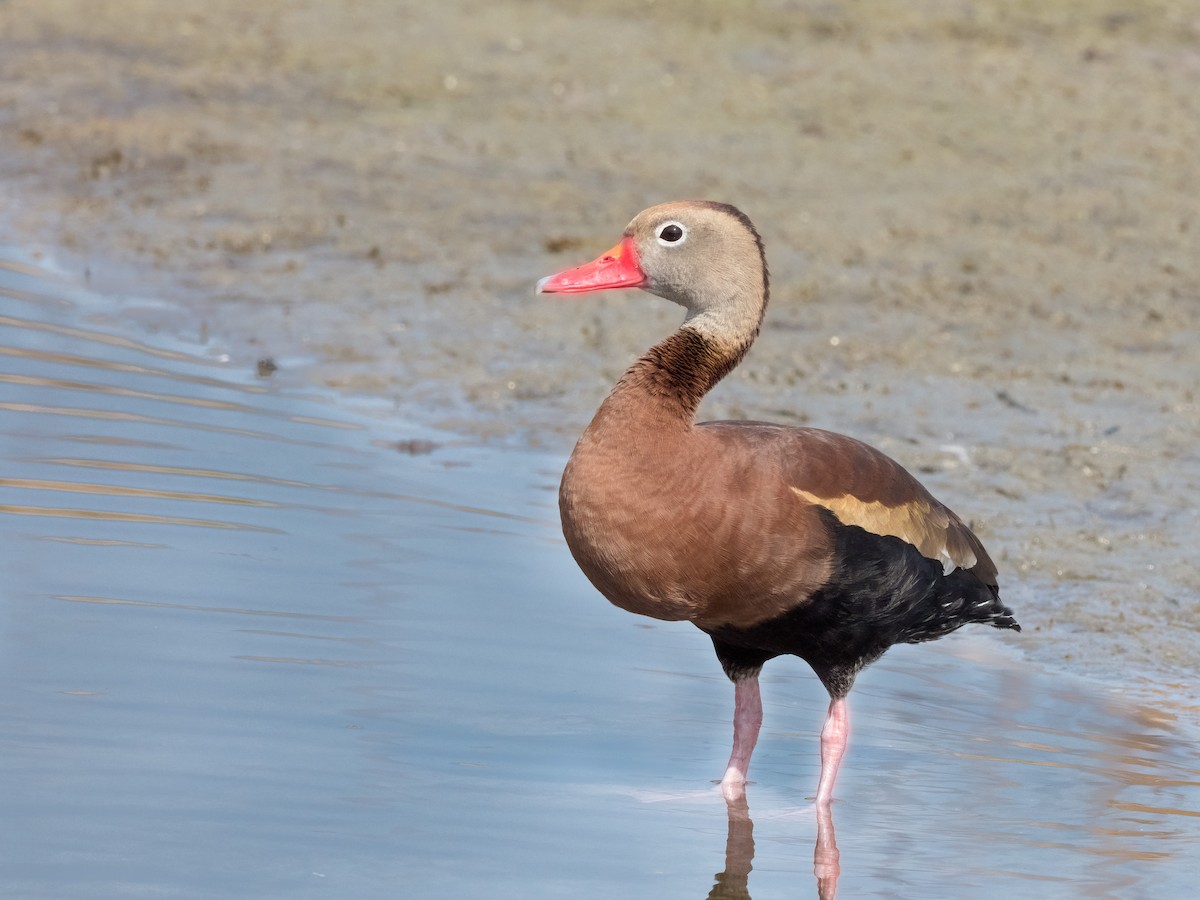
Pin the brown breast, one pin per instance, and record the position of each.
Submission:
(688, 524)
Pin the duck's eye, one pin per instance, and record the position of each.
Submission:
(671, 233)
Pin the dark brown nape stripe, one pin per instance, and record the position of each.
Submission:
(683, 368)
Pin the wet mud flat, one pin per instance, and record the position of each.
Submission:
(263, 640)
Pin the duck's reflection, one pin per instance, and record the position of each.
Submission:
(826, 864)
(733, 883)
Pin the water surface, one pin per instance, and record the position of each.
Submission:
(259, 642)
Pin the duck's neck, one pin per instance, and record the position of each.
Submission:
(664, 388)
(669, 381)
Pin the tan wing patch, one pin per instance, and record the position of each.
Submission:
(925, 525)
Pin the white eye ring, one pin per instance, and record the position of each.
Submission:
(672, 241)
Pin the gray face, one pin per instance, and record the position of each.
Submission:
(708, 259)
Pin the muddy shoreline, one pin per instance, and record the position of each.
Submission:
(981, 221)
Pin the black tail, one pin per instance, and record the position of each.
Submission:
(951, 601)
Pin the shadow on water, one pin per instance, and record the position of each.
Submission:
(259, 643)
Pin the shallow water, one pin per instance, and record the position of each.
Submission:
(258, 642)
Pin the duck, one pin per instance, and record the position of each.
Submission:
(772, 539)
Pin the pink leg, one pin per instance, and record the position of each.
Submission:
(747, 718)
(833, 745)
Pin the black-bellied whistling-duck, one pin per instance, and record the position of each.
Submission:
(771, 539)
